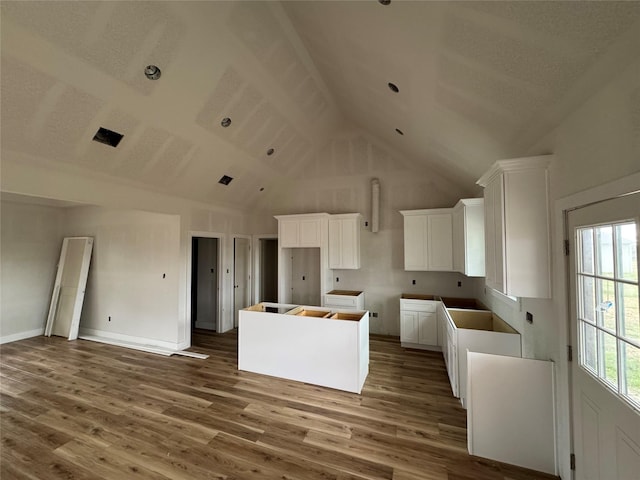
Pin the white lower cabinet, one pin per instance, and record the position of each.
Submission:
(474, 331)
(419, 324)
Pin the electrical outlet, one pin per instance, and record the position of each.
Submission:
(413, 282)
(459, 284)
(337, 279)
(109, 317)
(529, 317)
(374, 314)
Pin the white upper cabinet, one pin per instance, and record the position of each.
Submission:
(428, 237)
(468, 237)
(344, 241)
(300, 231)
(516, 202)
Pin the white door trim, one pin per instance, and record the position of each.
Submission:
(615, 188)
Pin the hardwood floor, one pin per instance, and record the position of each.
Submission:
(84, 410)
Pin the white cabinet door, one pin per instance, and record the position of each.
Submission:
(439, 243)
(310, 233)
(494, 241)
(288, 233)
(415, 242)
(427, 328)
(409, 331)
(344, 241)
(457, 218)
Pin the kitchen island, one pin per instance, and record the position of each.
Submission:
(317, 345)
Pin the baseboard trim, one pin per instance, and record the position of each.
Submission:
(129, 339)
(137, 343)
(21, 335)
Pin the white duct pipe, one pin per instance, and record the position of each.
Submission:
(375, 205)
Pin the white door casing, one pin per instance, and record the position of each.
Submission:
(241, 274)
(605, 335)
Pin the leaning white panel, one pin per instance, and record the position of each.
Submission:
(511, 410)
(70, 284)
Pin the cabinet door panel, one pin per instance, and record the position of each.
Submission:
(310, 233)
(459, 248)
(409, 327)
(288, 235)
(427, 328)
(415, 242)
(335, 244)
(440, 242)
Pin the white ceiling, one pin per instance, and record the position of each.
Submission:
(478, 81)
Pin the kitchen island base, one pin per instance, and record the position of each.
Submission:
(316, 345)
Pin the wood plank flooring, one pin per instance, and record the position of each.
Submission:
(83, 410)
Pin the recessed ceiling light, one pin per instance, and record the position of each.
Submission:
(399, 132)
(385, 2)
(270, 152)
(393, 87)
(225, 180)
(226, 121)
(152, 72)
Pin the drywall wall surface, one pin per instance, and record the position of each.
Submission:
(30, 243)
(341, 183)
(133, 286)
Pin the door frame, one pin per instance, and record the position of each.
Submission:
(564, 426)
(257, 257)
(233, 276)
(221, 249)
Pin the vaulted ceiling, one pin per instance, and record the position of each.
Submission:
(477, 81)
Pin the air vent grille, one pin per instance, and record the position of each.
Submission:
(225, 180)
(108, 137)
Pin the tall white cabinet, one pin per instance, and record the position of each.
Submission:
(428, 238)
(468, 237)
(344, 241)
(302, 231)
(516, 207)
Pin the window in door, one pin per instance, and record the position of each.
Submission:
(608, 319)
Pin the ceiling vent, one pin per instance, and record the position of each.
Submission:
(225, 180)
(108, 137)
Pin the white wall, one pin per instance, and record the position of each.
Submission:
(38, 177)
(30, 243)
(133, 286)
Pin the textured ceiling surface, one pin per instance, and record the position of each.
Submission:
(478, 81)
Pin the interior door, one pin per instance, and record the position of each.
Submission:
(605, 334)
(241, 275)
(69, 289)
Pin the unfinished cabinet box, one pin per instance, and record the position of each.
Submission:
(344, 299)
(468, 237)
(419, 323)
(475, 331)
(428, 238)
(516, 204)
(344, 241)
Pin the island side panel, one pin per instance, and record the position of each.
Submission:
(313, 350)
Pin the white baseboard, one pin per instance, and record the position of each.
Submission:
(21, 335)
(118, 337)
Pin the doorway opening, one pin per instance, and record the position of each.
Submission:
(268, 269)
(205, 284)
